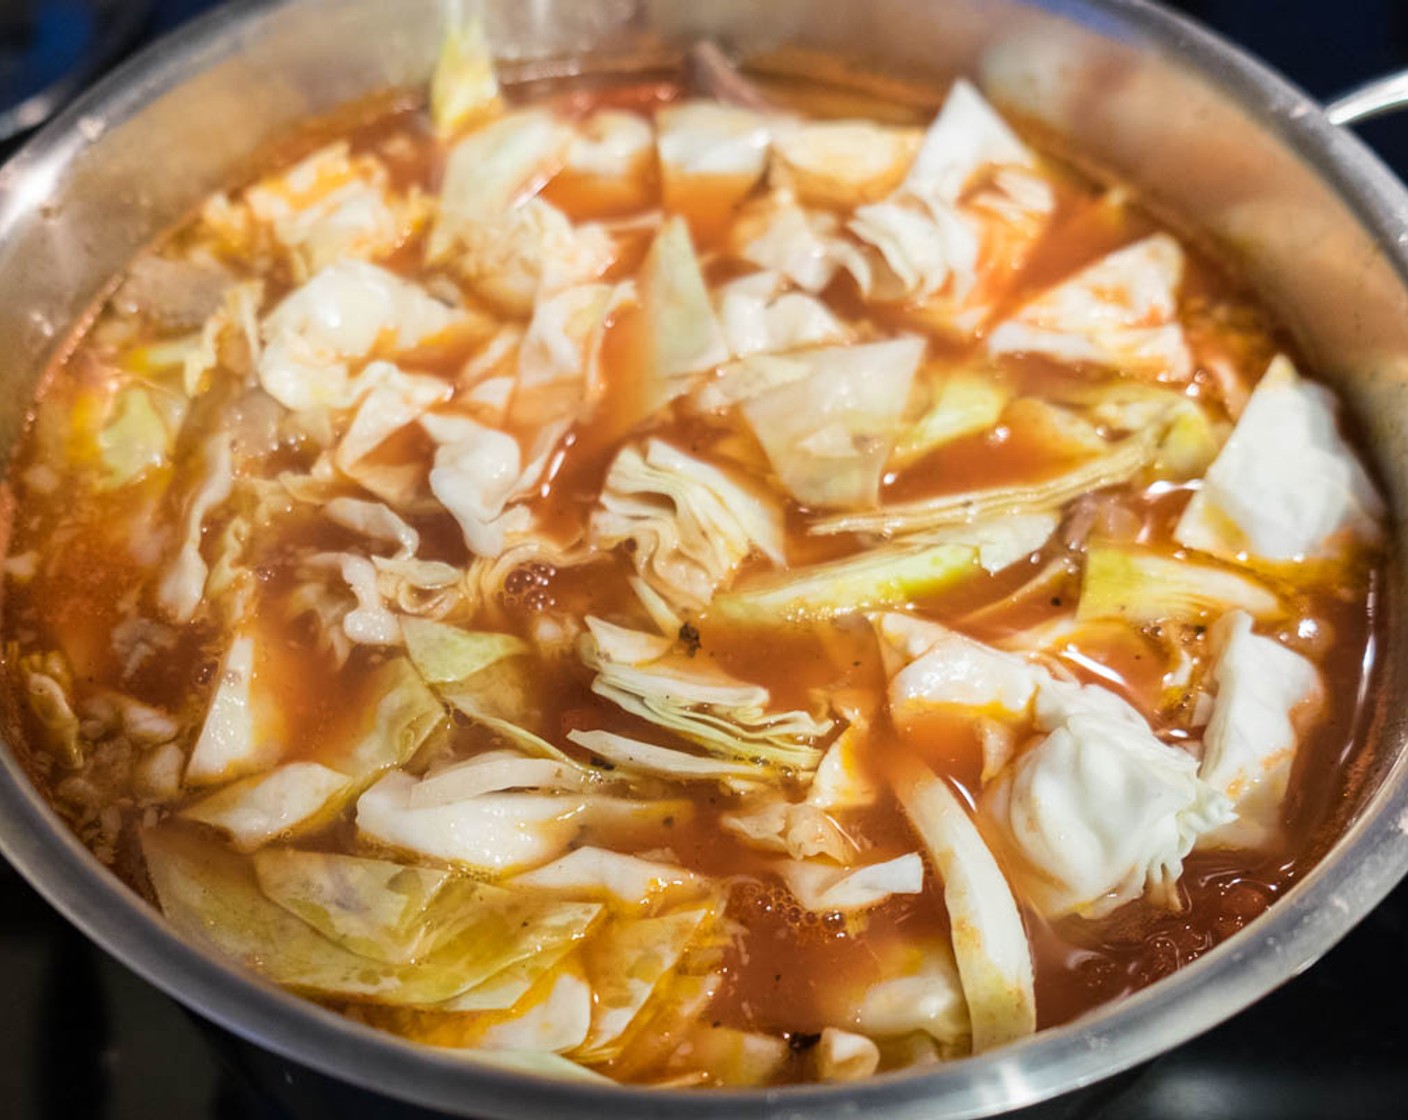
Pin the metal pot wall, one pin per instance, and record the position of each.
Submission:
(1202, 129)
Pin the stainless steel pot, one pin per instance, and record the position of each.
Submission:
(1201, 128)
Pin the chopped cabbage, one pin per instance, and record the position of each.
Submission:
(464, 86)
(734, 1058)
(494, 169)
(776, 233)
(1142, 586)
(182, 584)
(964, 403)
(1122, 462)
(393, 399)
(989, 942)
(684, 336)
(559, 359)
(968, 213)
(1250, 741)
(825, 888)
(614, 877)
(242, 730)
(445, 654)
(614, 149)
(709, 154)
(841, 164)
(476, 473)
(729, 718)
(921, 991)
(333, 206)
(493, 772)
(1286, 485)
(844, 1056)
(531, 253)
(665, 762)
(379, 909)
(135, 440)
(691, 523)
(1000, 541)
(1120, 312)
(942, 667)
(627, 962)
(283, 802)
(801, 830)
(212, 896)
(883, 577)
(760, 317)
(379, 523)
(340, 316)
(841, 780)
(829, 433)
(1099, 811)
(503, 832)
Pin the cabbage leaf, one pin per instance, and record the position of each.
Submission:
(1120, 313)
(829, 433)
(692, 523)
(989, 942)
(212, 896)
(884, 577)
(728, 717)
(1145, 587)
(1286, 485)
(1250, 743)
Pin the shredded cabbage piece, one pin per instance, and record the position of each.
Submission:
(964, 403)
(825, 889)
(614, 877)
(685, 338)
(776, 233)
(181, 586)
(493, 169)
(989, 942)
(1263, 691)
(921, 991)
(969, 212)
(842, 164)
(333, 206)
(691, 523)
(844, 1056)
(1143, 586)
(1120, 312)
(760, 316)
(883, 577)
(1125, 459)
(829, 432)
(627, 963)
(1286, 485)
(242, 731)
(340, 316)
(212, 896)
(504, 831)
(727, 717)
(464, 86)
(665, 762)
(387, 911)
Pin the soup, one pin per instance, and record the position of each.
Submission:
(689, 581)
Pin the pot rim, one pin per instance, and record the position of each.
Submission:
(1362, 867)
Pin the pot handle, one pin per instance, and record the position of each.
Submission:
(1386, 94)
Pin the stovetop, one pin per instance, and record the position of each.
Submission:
(81, 1037)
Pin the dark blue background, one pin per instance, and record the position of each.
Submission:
(80, 1037)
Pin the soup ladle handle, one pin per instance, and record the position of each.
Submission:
(1376, 97)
